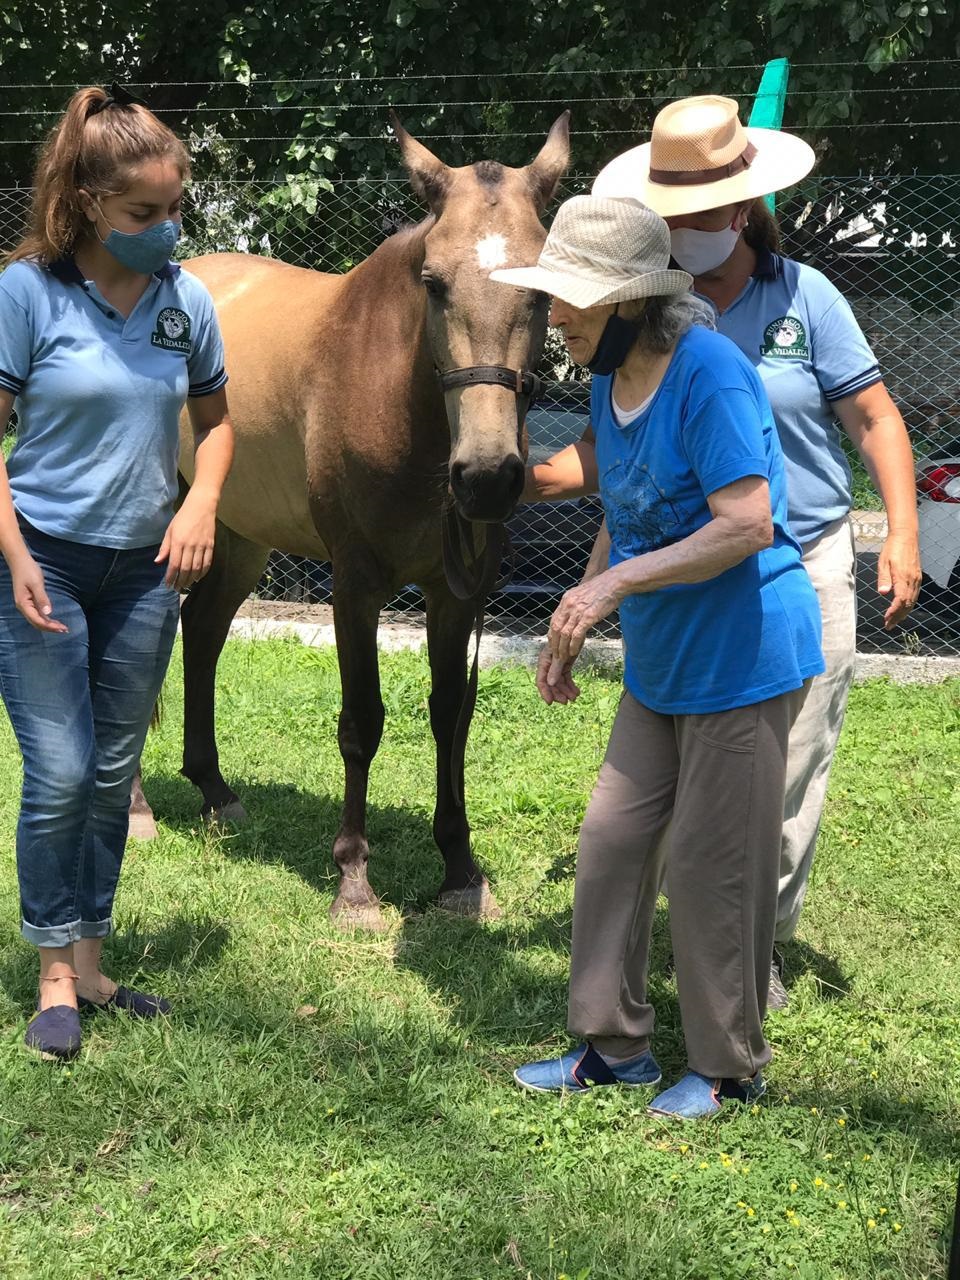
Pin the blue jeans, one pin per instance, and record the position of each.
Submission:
(80, 705)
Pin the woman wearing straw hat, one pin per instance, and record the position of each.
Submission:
(704, 173)
(721, 633)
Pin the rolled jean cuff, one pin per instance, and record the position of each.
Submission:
(62, 935)
(96, 928)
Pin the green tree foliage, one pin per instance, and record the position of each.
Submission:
(257, 57)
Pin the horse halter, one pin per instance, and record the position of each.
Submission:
(472, 572)
(523, 383)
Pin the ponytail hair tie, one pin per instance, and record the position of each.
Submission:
(117, 97)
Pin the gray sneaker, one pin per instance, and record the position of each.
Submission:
(777, 997)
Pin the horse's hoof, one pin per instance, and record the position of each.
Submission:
(142, 826)
(366, 916)
(233, 814)
(476, 902)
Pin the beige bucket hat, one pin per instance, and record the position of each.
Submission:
(600, 251)
(700, 157)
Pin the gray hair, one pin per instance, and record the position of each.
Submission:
(663, 320)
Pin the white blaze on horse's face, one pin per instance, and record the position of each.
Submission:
(492, 252)
(486, 216)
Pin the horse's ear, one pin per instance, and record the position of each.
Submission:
(548, 168)
(429, 176)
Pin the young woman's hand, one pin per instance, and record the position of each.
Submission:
(188, 544)
(30, 595)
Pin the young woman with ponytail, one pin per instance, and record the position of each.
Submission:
(102, 342)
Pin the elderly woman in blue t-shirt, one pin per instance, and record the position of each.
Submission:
(704, 173)
(722, 636)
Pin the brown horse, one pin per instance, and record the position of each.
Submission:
(348, 449)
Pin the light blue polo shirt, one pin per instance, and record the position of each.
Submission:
(98, 398)
(753, 631)
(800, 334)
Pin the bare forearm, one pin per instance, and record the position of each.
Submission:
(885, 449)
(600, 555)
(571, 473)
(716, 547)
(213, 457)
(11, 539)
(12, 544)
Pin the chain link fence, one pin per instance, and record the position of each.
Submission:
(888, 242)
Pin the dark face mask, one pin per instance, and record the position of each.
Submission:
(617, 338)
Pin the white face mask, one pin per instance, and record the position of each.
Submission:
(701, 251)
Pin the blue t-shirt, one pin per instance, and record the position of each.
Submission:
(98, 398)
(798, 331)
(752, 632)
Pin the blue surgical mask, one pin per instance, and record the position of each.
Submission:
(143, 251)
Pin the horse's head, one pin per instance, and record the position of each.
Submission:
(487, 216)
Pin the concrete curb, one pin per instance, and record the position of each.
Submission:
(602, 655)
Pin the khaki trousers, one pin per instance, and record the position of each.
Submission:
(720, 778)
(830, 561)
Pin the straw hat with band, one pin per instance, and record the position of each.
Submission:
(602, 251)
(701, 157)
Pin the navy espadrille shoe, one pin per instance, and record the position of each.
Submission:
(54, 1033)
(124, 1000)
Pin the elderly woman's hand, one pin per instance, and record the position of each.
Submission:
(554, 681)
(580, 609)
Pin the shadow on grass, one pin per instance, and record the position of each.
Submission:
(183, 943)
(509, 983)
(294, 828)
(800, 958)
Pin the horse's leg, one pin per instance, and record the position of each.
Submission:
(356, 610)
(142, 824)
(206, 616)
(449, 624)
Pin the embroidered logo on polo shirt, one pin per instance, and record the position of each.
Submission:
(785, 339)
(172, 331)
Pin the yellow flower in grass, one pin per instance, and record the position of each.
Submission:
(883, 1211)
(867, 1158)
(703, 1165)
(794, 1186)
(897, 1226)
(751, 1213)
(766, 1228)
(841, 1122)
(818, 1182)
(841, 1204)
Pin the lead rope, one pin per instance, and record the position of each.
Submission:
(474, 580)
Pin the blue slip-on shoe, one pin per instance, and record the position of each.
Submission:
(582, 1068)
(697, 1097)
(54, 1033)
(125, 1000)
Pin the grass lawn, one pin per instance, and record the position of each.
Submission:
(333, 1106)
